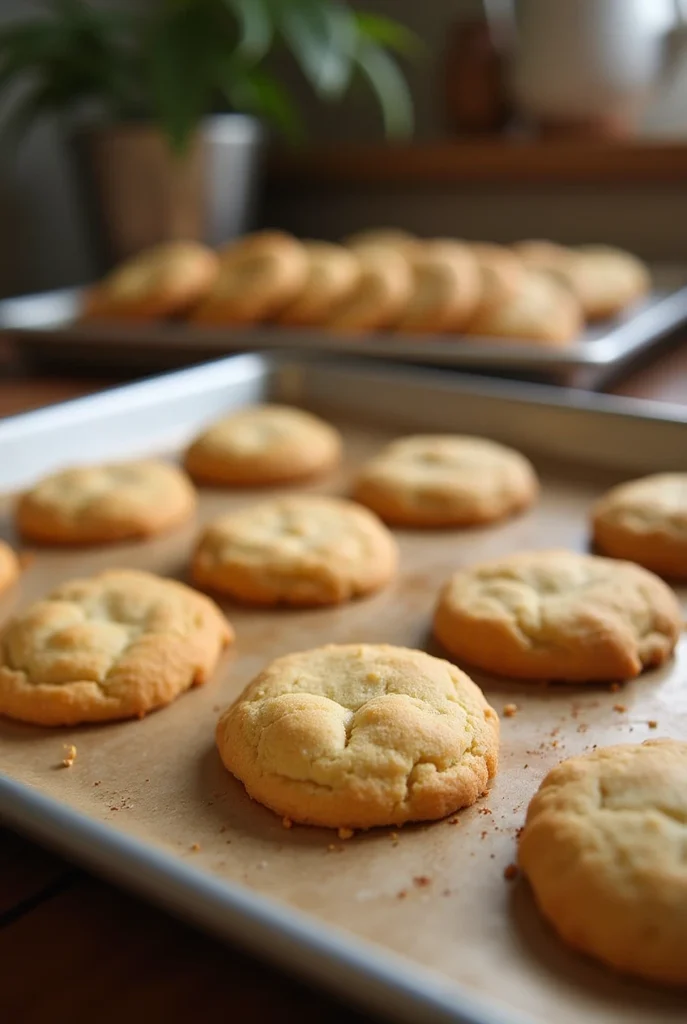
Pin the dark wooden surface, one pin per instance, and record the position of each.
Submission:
(482, 160)
(74, 949)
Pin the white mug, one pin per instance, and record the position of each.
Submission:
(580, 60)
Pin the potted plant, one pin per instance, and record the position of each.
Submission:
(166, 103)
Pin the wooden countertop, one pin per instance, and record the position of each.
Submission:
(74, 949)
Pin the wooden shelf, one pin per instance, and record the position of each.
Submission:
(483, 161)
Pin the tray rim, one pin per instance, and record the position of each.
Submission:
(602, 353)
(354, 968)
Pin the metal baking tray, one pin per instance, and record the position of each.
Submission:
(419, 925)
(45, 327)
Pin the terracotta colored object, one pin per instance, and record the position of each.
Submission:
(475, 94)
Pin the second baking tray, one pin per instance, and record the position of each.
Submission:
(44, 326)
(418, 923)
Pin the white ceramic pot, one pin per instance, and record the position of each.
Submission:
(587, 60)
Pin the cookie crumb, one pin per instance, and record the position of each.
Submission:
(652, 723)
(485, 810)
(615, 687)
(195, 847)
(401, 895)
(393, 835)
(69, 756)
(484, 835)
(332, 847)
(286, 823)
(582, 727)
(510, 872)
(620, 708)
(421, 881)
(454, 821)
(97, 783)
(223, 828)
(510, 710)
(345, 833)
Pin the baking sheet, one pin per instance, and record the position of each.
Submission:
(473, 947)
(44, 326)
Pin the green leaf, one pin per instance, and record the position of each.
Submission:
(258, 92)
(389, 33)
(390, 88)
(322, 38)
(180, 76)
(255, 28)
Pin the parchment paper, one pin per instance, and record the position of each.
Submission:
(435, 893)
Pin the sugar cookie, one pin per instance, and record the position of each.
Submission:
(333, 273)
(604, 851)
(113, 646)
(160, 282)
(109, 503)
(645, 521)
(263, 445)
(360, 735)
(446, 480)
(558, 615)
(258, 276)
(299, 550)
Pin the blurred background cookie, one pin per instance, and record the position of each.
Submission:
(645, 521)
(380, 294)
(258, 276)
(160, 282)
(333, 272)
(446, 480)
(541, 310)
(445, 288)
(501, 272)
(263, 445)
(104, 504)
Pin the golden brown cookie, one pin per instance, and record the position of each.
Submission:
(645, 521)
(603, 279)
(333, 273)
(389, 238)
(360, 735)
(445, 291)
(538, 254)
(446, 480)
(502, 272)
(160, 282)
(381, 293)
(541, 311)
(301, 550)
(558, 615)
(116, 645)
(9, 567)
(259, 275)
(263, 445)
(604, 851)
(109, 503)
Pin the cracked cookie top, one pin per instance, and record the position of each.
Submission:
(558, 615)
(112, 646)
(646, 521)
(264, 444)
(112, 502)
(303, 550)
(446, 480)
(605, 850)
(359, 735)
